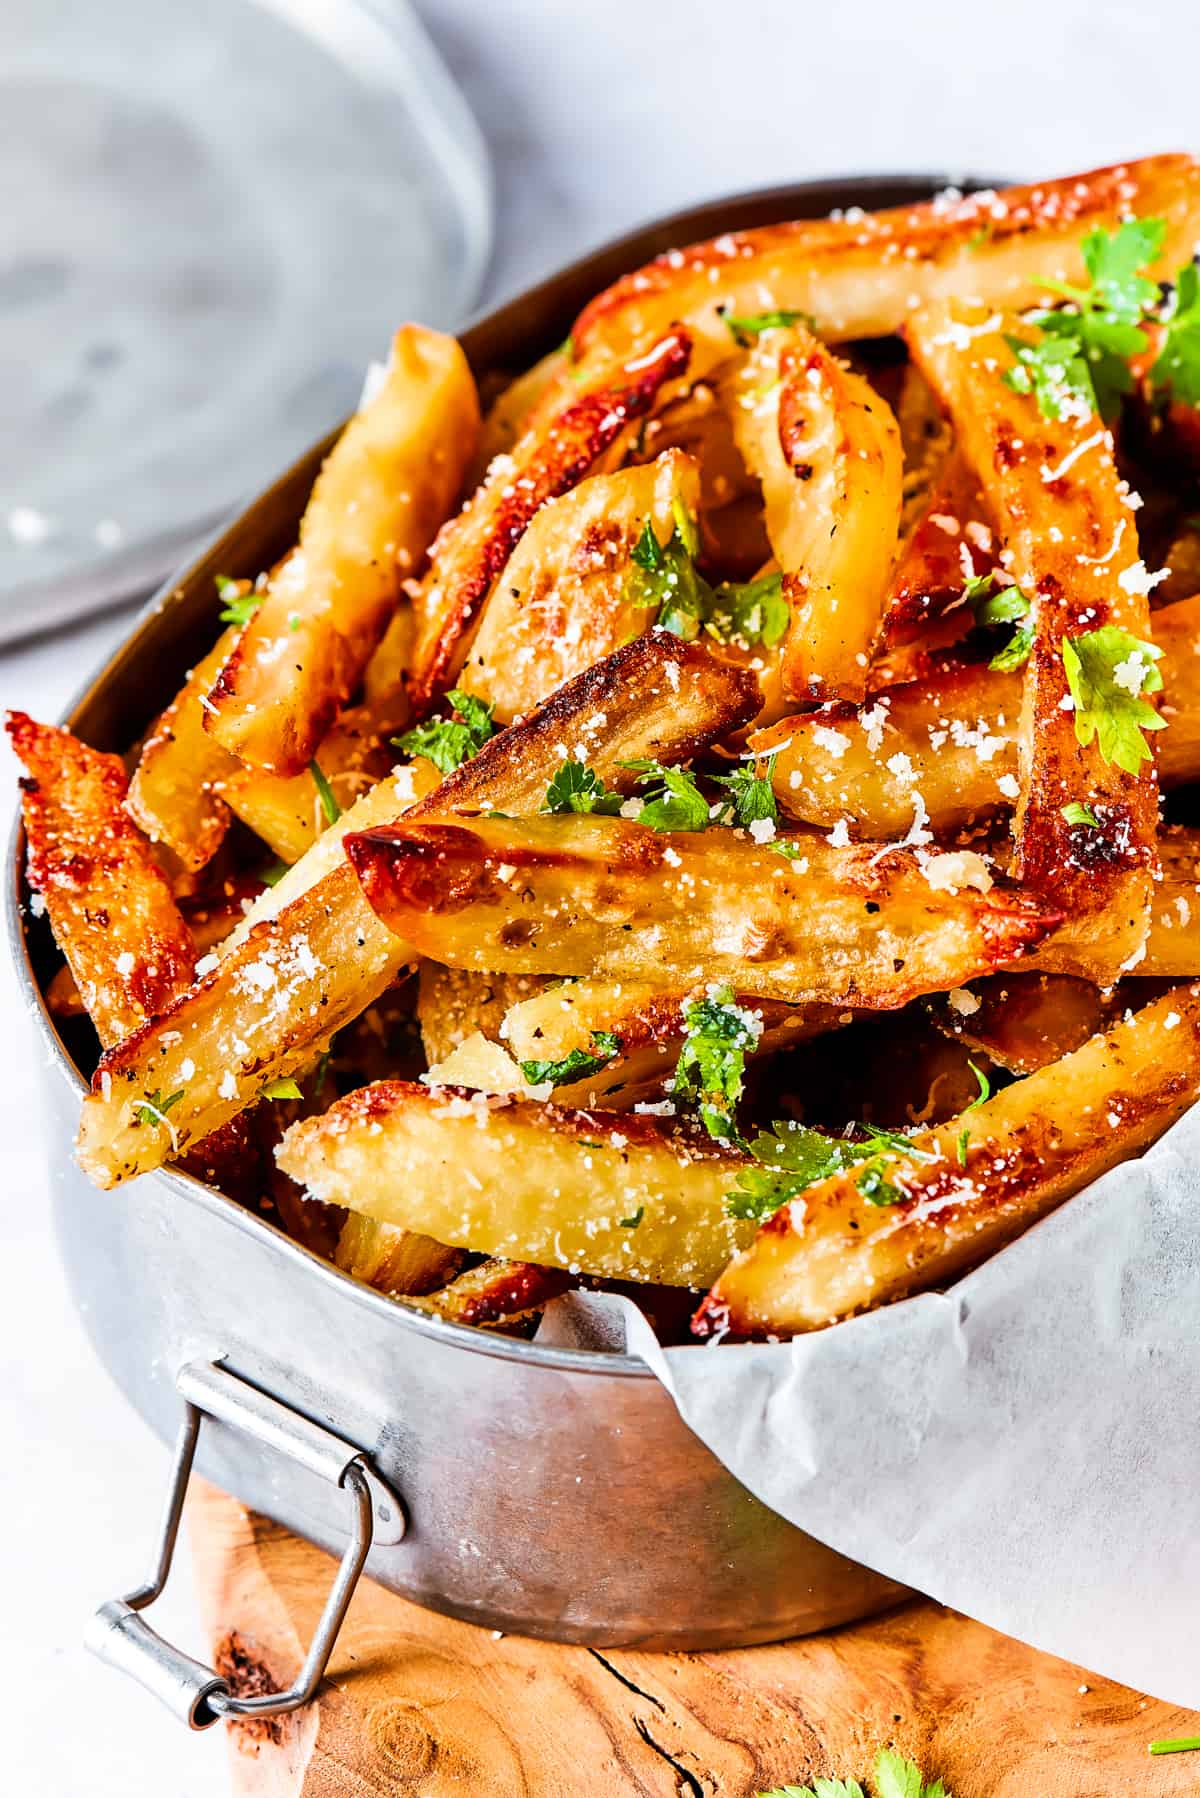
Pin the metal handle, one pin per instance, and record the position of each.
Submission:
(123, 1638)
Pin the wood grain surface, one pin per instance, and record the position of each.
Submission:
(421, 1705)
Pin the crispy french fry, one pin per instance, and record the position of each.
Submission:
(453, 1003)
(860, 276)
(951, 541)
(396, 1261)
(288, 812)
(388, 483)
(111, 908)
(473, 548)
(618, 1197)
(507, 416)
(1173, 941)
(646, 1018)
(952, 738)
(387, 670)
(987, 1176)
(588, 895)
(174, 793)
(316, 956)
(827, 450)
(565, 599)
(1023, 1021)
(1053, 489)
(496, 1293)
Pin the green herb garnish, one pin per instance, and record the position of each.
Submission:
(748, 612)
(578, 788)
(895, 1777)
(631, 1223)
(985, 1087)
(1177, 370)
(272, 876)
(578, 1065)
(1080, 814)
(1175, 1745)
(285, 1088)
(794, 1157)
(675, 801)
(329, 804)
(753, 324)
(717, 1037)
(449, 742)
(993, 604)
(238, 607)
(751, 795)
(664, 575)
(1108, 672)
(964, 1138)
(152, 1108)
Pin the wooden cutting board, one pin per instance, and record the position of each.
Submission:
(421, 1705)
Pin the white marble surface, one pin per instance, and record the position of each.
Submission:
(597, 117)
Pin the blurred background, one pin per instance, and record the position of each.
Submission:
(212, 218)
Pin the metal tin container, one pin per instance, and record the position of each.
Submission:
(547, 1492)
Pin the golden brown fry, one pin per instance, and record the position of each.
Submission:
(1023, 1021)
(951, 737)
(827, 450)
(565, 598)
(859, 276)
(618, 1197)
(395, 1261)
(388, 669)
(111, 909)
(508, 415)
(316, 956)
(453, 1003)
(174, 793)
(473, 548)
(387, 484)
(951, 542)
(589, 895)
(287, 812)
(1061, 509)
(496, 1294)
(829, 1252)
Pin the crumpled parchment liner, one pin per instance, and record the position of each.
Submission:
(1024, 1447)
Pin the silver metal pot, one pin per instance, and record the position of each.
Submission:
(546, 1492)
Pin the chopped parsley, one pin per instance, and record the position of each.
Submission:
(791, 851)
(665, 576)
(964, 1139)
(449, 742)
(753, 324)
(578, 788)
(993, 604)
(1177, 370)
(1081, 360)
(1175, 1745)
(237, 607)
(578, 1065)
(1109, 672)
(820, 1788)
(895, 1777)
(717, 1037)
(675, 801)
(152, 1108)
(281, 1089)
(631, 1223)
(751, 794)
(793, 1158)
(985, 1087)
(329, 804)
(1081, 815)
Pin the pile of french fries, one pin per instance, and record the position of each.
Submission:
(694, 824)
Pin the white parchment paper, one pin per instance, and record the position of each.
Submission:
(1024, 1447)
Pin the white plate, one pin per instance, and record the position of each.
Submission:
(212, 216)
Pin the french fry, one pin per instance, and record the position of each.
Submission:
(1023, 1021)
(316, 956)
(495, 1294)
(617, 1197)
(951, 737)
(395, 1261)
(507, 416)
(473, 548)
(387, 670)
(110, 906)
(951, 541)
(288, 812)
(985, 1176)
(174, 794)
(387, 484)
(565, 599)
(588, 895)
(453, 1003)
(646, 1018)
(1053, 489)
(861, 275)
(1173, 940)
(827, 450)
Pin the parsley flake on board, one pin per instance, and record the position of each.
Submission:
(1175, 1745)
(449, 742)
(1080, 363)
(717, 1037)
(237, 607)
(329, 804)
(578, 788)
(820, 1788)
(578, 1065)
(993, 604)
(1177, 370)
(675, 802)
(751, 794)
(1081, 815)
(895, 1777)
(1109, 672)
